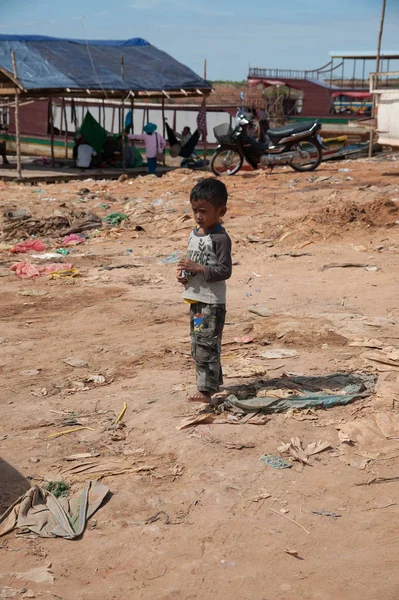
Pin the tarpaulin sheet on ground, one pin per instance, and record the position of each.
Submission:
(306, 392)
(39, 512)
(55, 63)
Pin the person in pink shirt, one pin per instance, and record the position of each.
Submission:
(154, 144)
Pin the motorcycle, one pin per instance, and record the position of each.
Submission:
(298, 145)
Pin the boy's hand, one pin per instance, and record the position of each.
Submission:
(189, 265)
(180, 278)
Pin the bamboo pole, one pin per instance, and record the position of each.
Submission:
(132, 111)
(205, 136)
(66, 129)
(377, 68)
(122, 132)
(16, 115)
(50, 101)
(163, 128)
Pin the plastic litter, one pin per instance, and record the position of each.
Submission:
(73, 239)
(115, 218)
(275, 461)
(28, 246)
(25, 270)
(172, 258)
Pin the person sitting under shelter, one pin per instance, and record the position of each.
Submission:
(85, 154)
(110, 154)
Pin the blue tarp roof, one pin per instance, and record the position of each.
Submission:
(45, 63)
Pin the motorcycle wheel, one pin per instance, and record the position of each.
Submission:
(226, 162)
(311, 153)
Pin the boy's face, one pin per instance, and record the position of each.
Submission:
(206, 215)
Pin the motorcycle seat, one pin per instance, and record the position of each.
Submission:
(277, 134)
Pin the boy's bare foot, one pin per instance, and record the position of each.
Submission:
(200, 397)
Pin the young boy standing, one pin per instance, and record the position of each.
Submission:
(204, 273)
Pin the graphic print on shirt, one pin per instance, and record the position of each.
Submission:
(200, 256)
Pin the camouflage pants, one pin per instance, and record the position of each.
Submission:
(206, 326)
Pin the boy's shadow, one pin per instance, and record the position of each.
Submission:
(12, 485)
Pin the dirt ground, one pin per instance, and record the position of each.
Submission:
(220, 538)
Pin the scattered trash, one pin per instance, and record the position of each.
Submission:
(172, 258)
(372, 268)
(326, 513)
(115, 218)
(276, 462)
(294, 448)
(278, 353)
(75, 362)
(26, 270)
(65, 432)
(261, 311)
(344, 170)
(68, 273)
(63, 251)
(73, 239)
(39, 512)
(28, 246)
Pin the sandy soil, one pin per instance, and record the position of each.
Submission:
(130, 325)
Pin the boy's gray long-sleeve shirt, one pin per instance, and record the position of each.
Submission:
(213, 251)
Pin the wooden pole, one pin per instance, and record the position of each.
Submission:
(122, 131)
(103, 114)
(50, 102)
(205, 136)
(113, 120)
(66, 128)
(174, 120)
(377, 68)
(62, 116)
(16, 113)
(163, 128)
(132, 111)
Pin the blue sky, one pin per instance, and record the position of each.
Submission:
(230, 34)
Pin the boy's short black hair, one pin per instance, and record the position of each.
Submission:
(212, 190)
